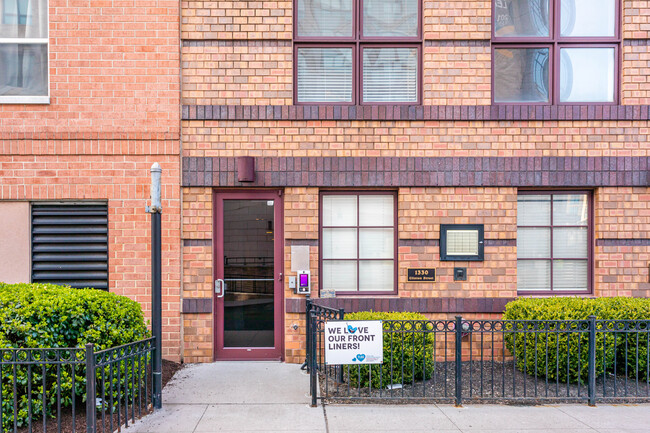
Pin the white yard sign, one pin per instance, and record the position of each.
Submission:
(354, 342)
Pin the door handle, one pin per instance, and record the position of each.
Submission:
(219, 288)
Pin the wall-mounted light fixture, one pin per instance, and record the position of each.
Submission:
(461, 242)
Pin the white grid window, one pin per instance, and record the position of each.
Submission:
(24, 51)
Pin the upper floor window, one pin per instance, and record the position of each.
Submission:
(555, 51)
(24, 51)
(357, 51)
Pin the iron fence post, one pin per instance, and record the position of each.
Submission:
(91, 394)
(591, 386)
(312, 366)
(305, 364)
(459, 360)
(340, 367)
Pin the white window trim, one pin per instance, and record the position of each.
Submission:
(30, 99)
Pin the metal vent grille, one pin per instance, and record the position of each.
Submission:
(70, 244)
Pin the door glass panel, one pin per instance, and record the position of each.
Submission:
(248, 248)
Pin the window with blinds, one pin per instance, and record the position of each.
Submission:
(358, 243)
(70, 244)
(553, 243)
(357, 51)
(325, 74)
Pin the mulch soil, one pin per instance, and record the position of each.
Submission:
(488, 382)
(67, 423)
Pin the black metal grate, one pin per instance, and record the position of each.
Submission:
(70, 244)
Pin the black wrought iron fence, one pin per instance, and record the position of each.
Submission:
(75, 389)
(459, 360)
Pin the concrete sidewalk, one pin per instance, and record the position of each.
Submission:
(272, 397)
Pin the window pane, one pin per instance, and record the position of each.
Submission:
(324, 75)
(533, 243)
(569, 243)
(588, 17)
(533, 275)
(376, 275)
(376, 244)
(570, 275)
(390, 74)
(570, 210)
(521, 75)
(387, 18)
(23, 19)
(376, 210)
(339, 210)
(324, 18)
(340, 275)
(23, 70)
(587, 74)
(339, 243)
(534, 210)
(521, 18)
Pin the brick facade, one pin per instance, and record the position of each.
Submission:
(125, 92)
(114, 111)
(455, 159)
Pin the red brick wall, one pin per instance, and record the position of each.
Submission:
(114, 67)
(114, 111)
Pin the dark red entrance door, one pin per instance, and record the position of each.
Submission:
(248, 261)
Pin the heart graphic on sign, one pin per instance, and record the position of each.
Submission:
(361, 357)
(351, 330)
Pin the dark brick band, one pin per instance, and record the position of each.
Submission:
(422, 172)
(500, 242)
(197, 306)
(237, 43)
(418, 242)
(623, 242)
(419, 112)
(418, 305)
(301, 242)
(197, 242)
(484, 43)
(636, 42)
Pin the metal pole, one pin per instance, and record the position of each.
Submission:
(591, 386)
(91, 394)
(313, 382)
(305, 365)
(156, 287)
(459, 360)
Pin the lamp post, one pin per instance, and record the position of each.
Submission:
(156, 293)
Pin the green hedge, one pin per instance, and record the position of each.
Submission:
(409, 349)
(44, 315)
(564, 346)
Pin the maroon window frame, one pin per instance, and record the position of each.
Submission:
(555, 42)
(357, 260)
(590, 244)
(357, 41)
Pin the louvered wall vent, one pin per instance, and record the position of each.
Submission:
(70, 244)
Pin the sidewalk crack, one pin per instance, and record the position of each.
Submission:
(200, 419)
(327, 427)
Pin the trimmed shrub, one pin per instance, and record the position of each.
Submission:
(408, 356)
(49, 316)
(557, 350)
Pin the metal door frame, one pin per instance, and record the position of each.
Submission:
(249, 353)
